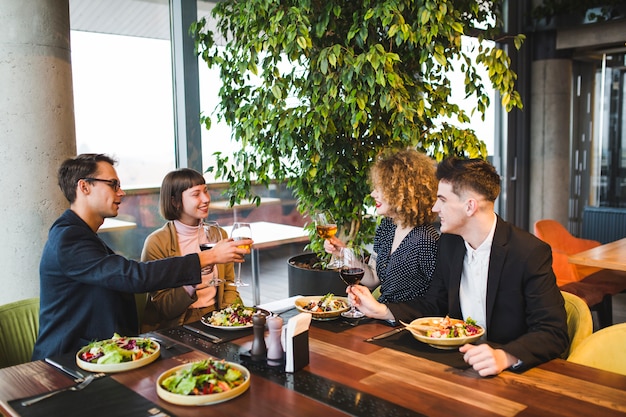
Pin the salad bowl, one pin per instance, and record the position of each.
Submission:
(327, 307)
(118, 354)
(187, 374)
(235, 317)
(435, 331)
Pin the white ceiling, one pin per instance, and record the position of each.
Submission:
(143, 18)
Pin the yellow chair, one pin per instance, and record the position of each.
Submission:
(579, 320)
(19, 326)
(604, 349)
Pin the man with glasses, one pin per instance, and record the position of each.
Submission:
(86, 290)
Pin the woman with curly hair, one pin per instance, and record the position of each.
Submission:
(405, 245)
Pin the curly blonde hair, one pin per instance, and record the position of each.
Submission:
(408, 183)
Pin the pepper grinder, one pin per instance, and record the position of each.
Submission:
(275, 349)
(258, 352)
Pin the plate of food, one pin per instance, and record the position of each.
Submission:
(327, 307)
(445, 332)
(118, 354)
(234, 317)
(210, 381)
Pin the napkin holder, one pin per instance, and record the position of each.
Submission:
(295, 337)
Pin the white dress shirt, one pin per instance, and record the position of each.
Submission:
(473, 289)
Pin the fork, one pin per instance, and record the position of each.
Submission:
(77, 387)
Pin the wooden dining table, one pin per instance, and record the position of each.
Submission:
(610, 255)
(347, 375)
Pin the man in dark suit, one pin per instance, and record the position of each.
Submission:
(86, 289)
(488, 270)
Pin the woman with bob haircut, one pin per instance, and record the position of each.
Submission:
(184, 202)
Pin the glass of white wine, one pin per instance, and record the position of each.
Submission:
(241, 231)
(326, 227)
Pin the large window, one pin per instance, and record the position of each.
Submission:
(609, 153)
(123, 103)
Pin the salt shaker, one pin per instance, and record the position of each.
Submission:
(275, 349)
(258, 351)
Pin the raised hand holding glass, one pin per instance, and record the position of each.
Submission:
(208, 236)
(326, 227)
(241, 231)
(351, 272)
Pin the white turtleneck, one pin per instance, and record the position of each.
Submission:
(188, 242)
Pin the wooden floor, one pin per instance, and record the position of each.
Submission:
(274, 282)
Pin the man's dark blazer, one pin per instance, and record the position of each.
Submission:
(86, 291)
(525, 309)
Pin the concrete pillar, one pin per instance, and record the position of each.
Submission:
(550, 140)
(36, 131)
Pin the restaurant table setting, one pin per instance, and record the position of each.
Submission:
(122, 401)
(345, 363)
(403, 341)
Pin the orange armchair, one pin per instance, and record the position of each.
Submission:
(563, 245)
(594, 285)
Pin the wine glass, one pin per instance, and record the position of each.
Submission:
(241, 231)
(208, 235)
(351, 272)
(326, 227)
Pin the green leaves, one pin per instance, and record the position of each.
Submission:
(315, 91)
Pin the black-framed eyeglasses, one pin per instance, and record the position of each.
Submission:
(115, 184)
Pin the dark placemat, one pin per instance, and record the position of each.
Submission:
(406, 343)
(103, 397)
(337, 325)
(225, 335)
(169, 348)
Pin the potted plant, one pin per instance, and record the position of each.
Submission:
(316, 90)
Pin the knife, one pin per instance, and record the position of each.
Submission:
(212, 338)
(386, 334)
(71, 372)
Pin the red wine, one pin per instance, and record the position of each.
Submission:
(206, 246)
(351, 276)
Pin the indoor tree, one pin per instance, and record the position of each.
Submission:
(316, 90)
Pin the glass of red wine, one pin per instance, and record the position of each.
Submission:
(351, 272)
(208, 236)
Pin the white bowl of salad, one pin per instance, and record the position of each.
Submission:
(210, 381)
(327, 307)
(118, 354)
(233, 317)
(445, 332)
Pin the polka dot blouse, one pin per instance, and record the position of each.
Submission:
(406, 273)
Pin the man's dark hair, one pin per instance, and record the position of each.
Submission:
(74, 169)
(476, 175)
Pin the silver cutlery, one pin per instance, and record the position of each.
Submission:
(209, 336)
(386, 334)
(76, 375)
(77, 387)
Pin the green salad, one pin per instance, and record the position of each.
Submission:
(206, 377)
(235, 315)
(118, 349)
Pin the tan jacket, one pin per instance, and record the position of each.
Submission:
(168, 308)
